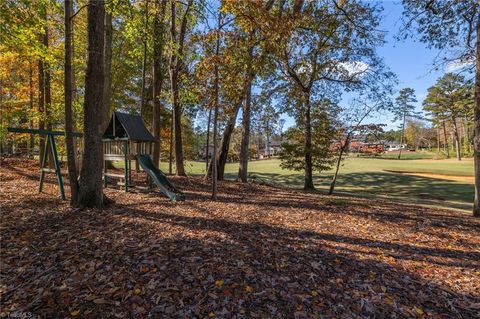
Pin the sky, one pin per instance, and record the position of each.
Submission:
(410, 60)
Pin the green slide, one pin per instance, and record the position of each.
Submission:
(159, 178)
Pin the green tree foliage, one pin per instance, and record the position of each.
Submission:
(454, 27)
(404, 105)
(404, 108)
(323, 134)
(451, 100)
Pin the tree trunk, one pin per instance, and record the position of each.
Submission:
(44, 99)
(215, 130)
(476, 144)
(170, 153)
(207, 147)
(68, 91)
(445, 137)
(90, 184)
(225, 145)
(457, 140)
(215, 114)
(31, 143)
(243, 169)
(41, 107)
(177, 128)
(74, 98)
(144, 61)
(175, 67)
(107, 87)
(158, 75)
(308, 144)
(402, 137)
(337, 167)
(466, 137)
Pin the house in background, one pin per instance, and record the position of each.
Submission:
(201, 152)
(274, 149)
(394, 146)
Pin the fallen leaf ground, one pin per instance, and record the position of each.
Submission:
(258, 252)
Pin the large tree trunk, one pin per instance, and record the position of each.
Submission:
(158, 74)
(144, 74)
(308, 144)
(177, 126)
(243, 168)
(90, 184)
(476, 144)
(457, 140)
(144, 62)
(74, 99)
(68, 91)
(215, 115)
(107, 87)
(176, 65)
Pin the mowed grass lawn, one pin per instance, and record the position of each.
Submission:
(374, 176)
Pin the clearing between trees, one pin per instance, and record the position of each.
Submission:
(257, 252)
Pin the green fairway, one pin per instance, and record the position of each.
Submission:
(350, 165)
(451, 183)
(371, 176)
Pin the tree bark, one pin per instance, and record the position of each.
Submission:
(445, 137)
(225, 144)
(31, 91)
(402, 137)
(215, 134)
(90, 184)
(74, 98)
(44, 98)
(215, 114)
(107, 87)
(41, 107)
(308, 185)
(48, 90)
(476, 206)
(68, 91)
(144, 61)
(457, 140)
(207, 147)
(243, 168)
(176, 65)
(158, 74)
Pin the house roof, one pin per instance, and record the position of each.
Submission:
(128, 125)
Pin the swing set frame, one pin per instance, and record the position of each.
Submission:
(51, 146)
